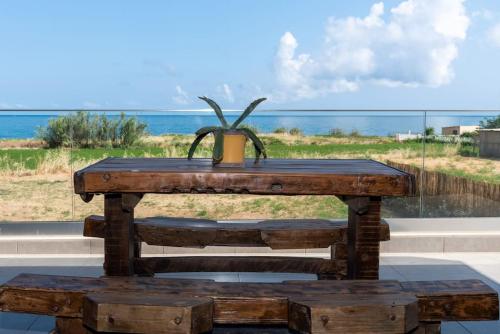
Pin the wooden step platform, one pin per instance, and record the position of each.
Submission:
(309, 306)
(146, 313)
(276, 234)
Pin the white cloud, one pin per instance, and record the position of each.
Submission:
(494, 34)
(414, 44)
(226, 92)
(181, 96)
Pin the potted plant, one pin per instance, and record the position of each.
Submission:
(230, 139)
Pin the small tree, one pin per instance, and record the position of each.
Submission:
(430, 131)
(493, 123)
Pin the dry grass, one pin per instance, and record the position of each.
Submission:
(46, 193)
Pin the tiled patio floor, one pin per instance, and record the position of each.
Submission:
(411, 266)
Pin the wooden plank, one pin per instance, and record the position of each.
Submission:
(151, 265)
(147, 313)
(454, 300)
(286, 177)
(370, 314)
(94, 226)
(363, 241)
(276, 234)
(63, 295)
(271, 310)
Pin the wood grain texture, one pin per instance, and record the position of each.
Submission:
(276, 234)
(158, 230)
(151, 265)
(262, 303)
(363, 241)
(147, 313)
(457, 300)
(364, 314)
(428, 328)
(119, 243)
(271, 176)
(94, 226)
(71, 326)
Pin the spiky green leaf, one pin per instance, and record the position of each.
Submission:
(206, 129)
(257, 143)
(247, 112)
(217, 109)
(218, 151)
(195, 144)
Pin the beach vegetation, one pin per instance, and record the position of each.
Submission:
(86, 130)
(295, 132)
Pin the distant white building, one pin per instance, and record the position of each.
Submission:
(458, 130)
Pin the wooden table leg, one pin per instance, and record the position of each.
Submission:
(120, 247)
(428, 328)
(363, 237)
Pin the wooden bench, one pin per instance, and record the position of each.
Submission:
(307, 306)
(275, 234)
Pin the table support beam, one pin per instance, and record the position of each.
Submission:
(120, 246)
(364, 239)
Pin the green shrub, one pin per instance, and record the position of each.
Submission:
(355, 133)
(336, 132)
(86, 130)
(252, 128)
(295, 132)
(280, 130)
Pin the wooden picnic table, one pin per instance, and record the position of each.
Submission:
(358, 183)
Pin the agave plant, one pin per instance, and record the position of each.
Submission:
(225, 127)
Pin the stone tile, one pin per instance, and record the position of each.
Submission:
(453, 327)
(55, 246)
(388, 272)
(268, 251)
(43, 323)
(319, 251)
(152, 250)
(8, 246)
(207, 250)
(482, 327)
(472, 244)
(16, 321)
(413, 244)
(218, 277)
(274, 277)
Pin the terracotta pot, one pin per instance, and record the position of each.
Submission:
(234, 148)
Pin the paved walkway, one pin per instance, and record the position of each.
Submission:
(410, 266)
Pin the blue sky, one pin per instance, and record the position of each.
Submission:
(300, 54)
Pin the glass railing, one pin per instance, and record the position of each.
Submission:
(457, 172)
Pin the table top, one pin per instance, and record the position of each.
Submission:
(269, 176)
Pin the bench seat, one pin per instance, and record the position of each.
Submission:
(276, 234)
(256, 303)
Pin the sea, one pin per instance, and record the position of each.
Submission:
(18, 124)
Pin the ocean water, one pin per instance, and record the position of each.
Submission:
(24, 125)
